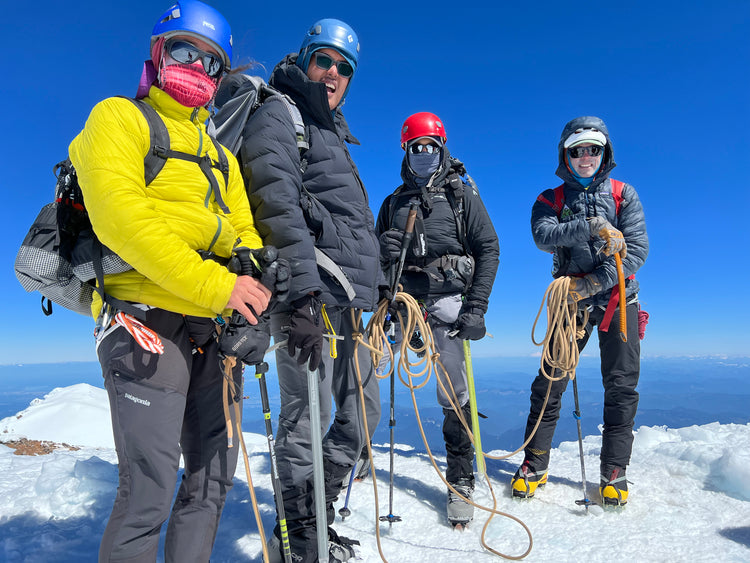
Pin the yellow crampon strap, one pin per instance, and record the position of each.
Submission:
(329, 328)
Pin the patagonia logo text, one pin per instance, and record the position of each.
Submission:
(138, 400)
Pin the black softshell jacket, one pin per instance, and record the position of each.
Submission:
(441, 235)
(326, 206)
(569, 237)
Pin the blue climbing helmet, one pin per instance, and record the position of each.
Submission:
(193, 18)
(331, 33)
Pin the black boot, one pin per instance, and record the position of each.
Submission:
(460, 472)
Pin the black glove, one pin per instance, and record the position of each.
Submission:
(390, 246)
(265, 265)
(417, 343)
(470, 323)
(384, 292)
(246, 342)
(306, 331)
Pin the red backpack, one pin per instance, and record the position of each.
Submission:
(560, 197)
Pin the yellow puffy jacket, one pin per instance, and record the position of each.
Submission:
(157, 229)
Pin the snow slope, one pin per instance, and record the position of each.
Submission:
(690, 497)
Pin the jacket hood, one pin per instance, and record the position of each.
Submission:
(608, 160)
(311, 97)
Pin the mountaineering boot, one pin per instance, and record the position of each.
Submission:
(361, 469)
(339, 547)
(526, 481)
(460, 512)
(613, 486)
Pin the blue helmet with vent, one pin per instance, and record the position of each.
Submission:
(331, 33)
(194, 18)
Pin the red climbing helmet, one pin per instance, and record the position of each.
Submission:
(422, 124)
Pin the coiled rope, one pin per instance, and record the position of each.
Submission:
(415, 375)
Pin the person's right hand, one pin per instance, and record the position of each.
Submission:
(306, 331)
(249, 298)
(613, 238)
(390, 245)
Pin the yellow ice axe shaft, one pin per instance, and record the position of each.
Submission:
(474, 412)
(623, 304)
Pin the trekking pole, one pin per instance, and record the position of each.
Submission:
(474, 411)
(577, 414)
(623, 305)
(391, 518)
(321, 519)
(260, 374)
(344, 510)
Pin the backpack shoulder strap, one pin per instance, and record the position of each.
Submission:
(617, 186)
(455, 197)
(303, 135)
(159, 152)
(559, 202)
(159, 141)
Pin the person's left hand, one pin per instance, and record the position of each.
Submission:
(244, 341)
(470, 323)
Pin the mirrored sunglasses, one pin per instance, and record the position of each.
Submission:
(184, 52)
(325, 62)
(578, 152)
(416, 148)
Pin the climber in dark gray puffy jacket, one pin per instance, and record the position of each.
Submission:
(313, 206)
(583, 223)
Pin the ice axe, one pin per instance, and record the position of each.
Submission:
(481, 467)
(321, 519)
(623, 305)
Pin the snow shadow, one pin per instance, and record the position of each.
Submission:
(739, 535)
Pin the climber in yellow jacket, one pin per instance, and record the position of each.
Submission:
(160, 352)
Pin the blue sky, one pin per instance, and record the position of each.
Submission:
(670, 79)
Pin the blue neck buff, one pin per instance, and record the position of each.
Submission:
(424, 165)
(585, 182)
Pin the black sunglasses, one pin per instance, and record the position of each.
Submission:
(184, 52)
(578, 152)
(416, 148)
(325, 62)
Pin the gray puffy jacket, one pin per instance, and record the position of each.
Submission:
(313, 200)
(568, 236)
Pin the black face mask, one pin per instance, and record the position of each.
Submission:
(424, 164)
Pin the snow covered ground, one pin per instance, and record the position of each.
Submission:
(689, 500)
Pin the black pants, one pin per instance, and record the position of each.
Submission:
(620, 366)
(164, 406)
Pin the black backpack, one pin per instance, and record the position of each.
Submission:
(61, 256)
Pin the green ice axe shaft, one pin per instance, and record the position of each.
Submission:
(474, 412)
(405, 242)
